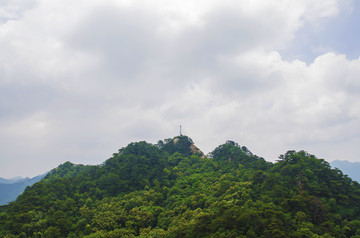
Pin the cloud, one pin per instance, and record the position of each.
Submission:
(14, 9)
(80, 80)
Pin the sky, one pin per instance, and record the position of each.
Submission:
(81, 79)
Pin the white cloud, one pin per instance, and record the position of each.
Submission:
(80, 79)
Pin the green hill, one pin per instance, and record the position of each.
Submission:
(172, 190)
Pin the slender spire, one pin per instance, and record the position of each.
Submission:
(180, 131)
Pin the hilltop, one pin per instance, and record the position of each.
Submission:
(181, 144)
(171, 189)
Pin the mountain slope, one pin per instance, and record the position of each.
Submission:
(167, 190)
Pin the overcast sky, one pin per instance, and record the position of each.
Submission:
(81, 79)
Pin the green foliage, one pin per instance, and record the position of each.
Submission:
(232, 153)
(180, 144)
(65, 170)
(167, 190)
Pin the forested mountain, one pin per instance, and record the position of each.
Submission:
(172, 190)
(11, 188)
(352, 169)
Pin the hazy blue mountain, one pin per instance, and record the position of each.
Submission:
(352, 169)
(17, 179)
(11, 188)
(3, 180)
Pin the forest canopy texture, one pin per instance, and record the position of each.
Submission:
(172, 190)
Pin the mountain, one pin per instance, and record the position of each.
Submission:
(11, 188)
(352, 169)
(13, 180)
(171, 190)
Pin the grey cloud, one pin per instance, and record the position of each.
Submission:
(19, 100)
(125, 38)
(132, 47)
(13, 9)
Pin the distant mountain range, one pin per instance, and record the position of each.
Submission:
(352, 169)
(11, 188)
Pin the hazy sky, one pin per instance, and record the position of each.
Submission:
(81, 79)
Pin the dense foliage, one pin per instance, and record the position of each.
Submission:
(165, 190)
